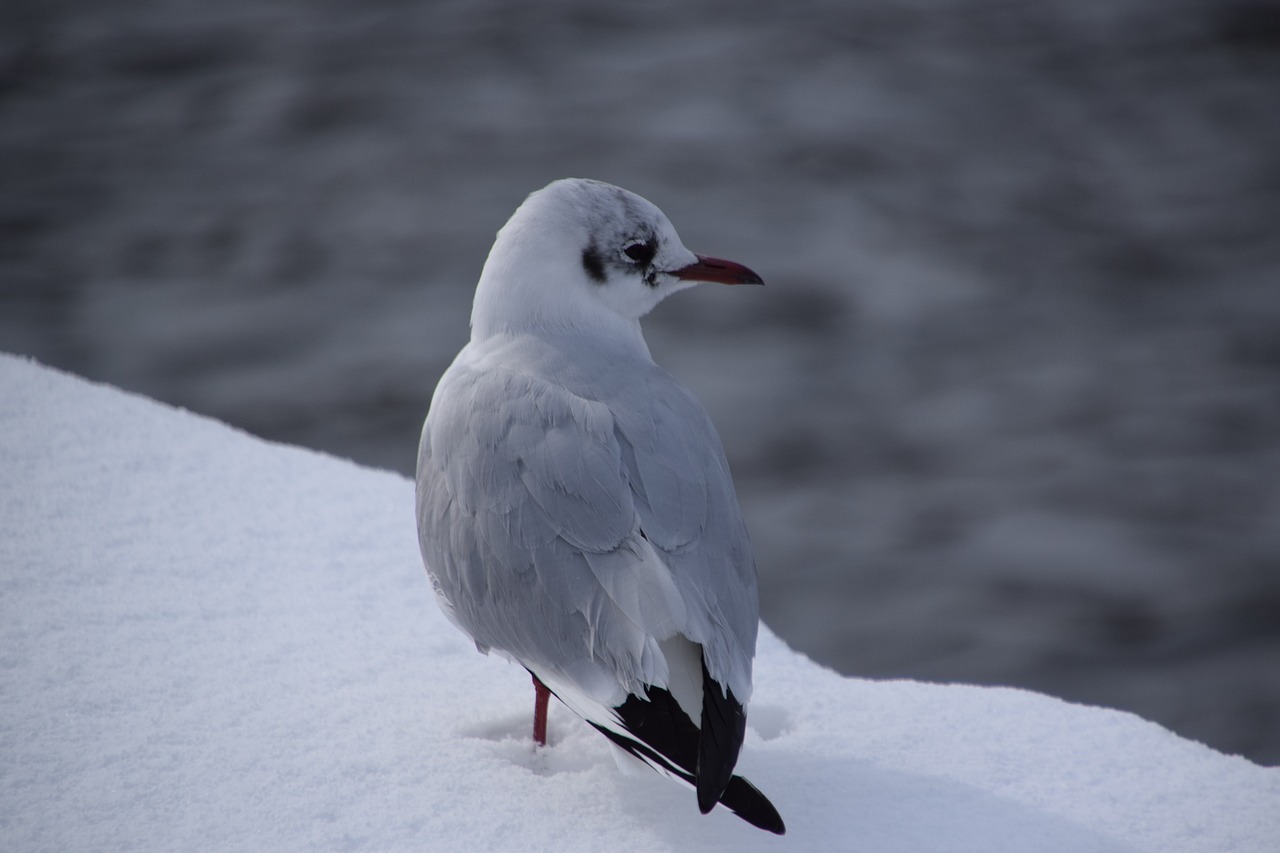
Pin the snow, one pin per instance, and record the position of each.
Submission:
(209, 641)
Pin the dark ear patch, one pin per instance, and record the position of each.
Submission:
(593, 264)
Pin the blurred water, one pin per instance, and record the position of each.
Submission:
(1008, 411)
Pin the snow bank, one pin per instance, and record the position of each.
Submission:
(212, 642)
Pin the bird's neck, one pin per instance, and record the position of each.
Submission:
(615, 341)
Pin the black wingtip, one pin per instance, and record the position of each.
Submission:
(743, 799)
(664, 737)
(724, 724)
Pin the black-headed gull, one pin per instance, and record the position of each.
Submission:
(575, 509)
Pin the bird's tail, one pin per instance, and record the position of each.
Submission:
(740, 796)
(657, 731)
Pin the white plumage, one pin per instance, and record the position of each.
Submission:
(575, 509)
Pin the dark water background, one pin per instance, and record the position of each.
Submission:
(1008, 411)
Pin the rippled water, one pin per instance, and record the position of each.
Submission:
(1007, 412)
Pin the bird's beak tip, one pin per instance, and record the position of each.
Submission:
(717, 271)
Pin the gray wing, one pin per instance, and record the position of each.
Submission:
(688, 508)
(575, 533)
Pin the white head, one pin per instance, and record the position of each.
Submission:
(581, 255)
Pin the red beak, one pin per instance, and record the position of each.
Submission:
(718, 271)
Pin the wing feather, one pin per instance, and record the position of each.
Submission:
(576, 525)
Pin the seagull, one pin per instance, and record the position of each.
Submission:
(575, 509)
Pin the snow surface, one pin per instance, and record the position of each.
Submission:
(213, 642)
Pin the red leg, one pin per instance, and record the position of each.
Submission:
(541, 695)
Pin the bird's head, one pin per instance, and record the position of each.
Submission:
(583, 253)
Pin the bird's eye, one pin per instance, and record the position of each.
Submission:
(640, 253)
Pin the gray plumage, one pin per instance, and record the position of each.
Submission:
(547, 483)
(575, 508)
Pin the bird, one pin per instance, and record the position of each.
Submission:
(575, 508)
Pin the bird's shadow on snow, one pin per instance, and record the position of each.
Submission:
(834, 804)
